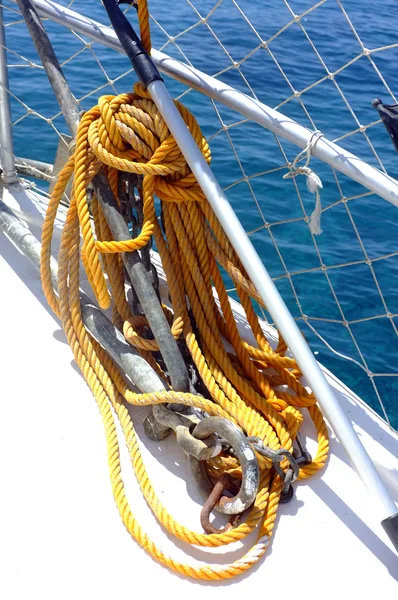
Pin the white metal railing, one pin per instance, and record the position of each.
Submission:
(7, 161)
(332, 154)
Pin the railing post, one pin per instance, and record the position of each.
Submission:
(7, 158)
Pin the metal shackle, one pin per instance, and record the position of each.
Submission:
(243, 452)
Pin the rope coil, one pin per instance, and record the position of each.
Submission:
(127, 133)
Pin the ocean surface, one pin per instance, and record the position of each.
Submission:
(247, 158)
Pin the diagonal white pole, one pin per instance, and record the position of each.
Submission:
(272, 299)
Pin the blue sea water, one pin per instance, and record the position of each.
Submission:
(290, 62)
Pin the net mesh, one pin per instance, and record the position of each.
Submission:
(308, 60)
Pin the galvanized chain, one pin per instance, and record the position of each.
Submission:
(299, 457)
(277, 456)
(131, 208)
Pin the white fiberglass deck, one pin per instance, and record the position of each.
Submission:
(61, 534)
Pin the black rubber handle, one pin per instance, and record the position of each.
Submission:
(390, 526)
(389, 115)
(143, 64)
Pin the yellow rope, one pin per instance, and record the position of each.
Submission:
(127, 133)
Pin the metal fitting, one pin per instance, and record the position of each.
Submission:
(201, 439)
(224, 483)
(301, 454)
(167, 419)
(244, 453)
(277, 456)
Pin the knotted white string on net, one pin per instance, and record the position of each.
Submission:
(314, 183)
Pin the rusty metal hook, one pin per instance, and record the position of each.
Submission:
(224, 483)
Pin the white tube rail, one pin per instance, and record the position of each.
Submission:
(7, 159)
(332, 154)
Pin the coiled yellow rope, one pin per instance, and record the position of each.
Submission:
(127, 133)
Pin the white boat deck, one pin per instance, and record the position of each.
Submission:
(61, 534)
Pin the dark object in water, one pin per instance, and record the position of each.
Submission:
(389, 116)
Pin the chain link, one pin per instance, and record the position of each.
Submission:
(131, 208)
(277, 456)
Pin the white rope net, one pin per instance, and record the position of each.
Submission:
(340, 285)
